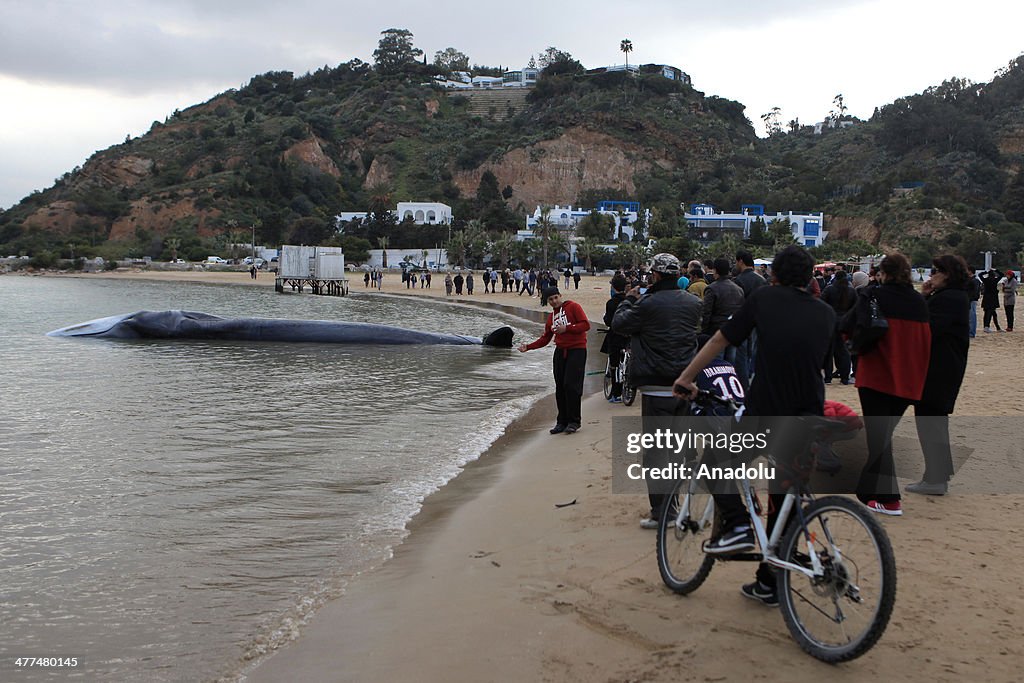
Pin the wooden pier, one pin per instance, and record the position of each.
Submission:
(332, 287)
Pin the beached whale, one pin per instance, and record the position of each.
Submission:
(194, 325)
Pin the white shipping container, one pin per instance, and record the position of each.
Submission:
(296, 262)
(330, 265)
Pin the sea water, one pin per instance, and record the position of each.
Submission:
(172, 509)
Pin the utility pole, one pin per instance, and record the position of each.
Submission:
(254, 244)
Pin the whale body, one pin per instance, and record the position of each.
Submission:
(195, 325)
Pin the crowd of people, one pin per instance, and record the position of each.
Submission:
(787, 332)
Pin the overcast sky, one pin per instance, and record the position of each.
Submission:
(77, 77)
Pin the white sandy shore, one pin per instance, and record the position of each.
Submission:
(495, 583)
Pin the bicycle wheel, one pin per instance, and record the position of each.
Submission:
(687, 520)
(609, 378)
(842, 614)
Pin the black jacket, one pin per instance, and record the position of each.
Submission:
(948, 315)
(662, 325)
(722, 298)
(613, 341)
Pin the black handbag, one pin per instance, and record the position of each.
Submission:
(870, 327)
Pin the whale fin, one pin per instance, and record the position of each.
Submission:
(500, 338)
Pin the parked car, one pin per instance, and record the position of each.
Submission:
(178, 261)
(214, 261)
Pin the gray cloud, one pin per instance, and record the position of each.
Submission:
(139, 47)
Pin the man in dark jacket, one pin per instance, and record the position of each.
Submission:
(722, 299)
(662, 325)
(614, 343)
(749, 281)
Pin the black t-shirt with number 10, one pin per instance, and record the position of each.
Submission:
(794, 334)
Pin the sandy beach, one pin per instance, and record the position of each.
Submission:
(496, 583)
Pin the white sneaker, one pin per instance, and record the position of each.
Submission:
(649, 523)
(988, 329)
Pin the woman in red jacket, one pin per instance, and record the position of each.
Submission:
(890, 376)
(568, 324)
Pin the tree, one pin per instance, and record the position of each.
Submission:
(555, 62)
(781, 233)
(772, 124)
(382, 243)
(838, 110)
(544, 229)
(456, 249)
(357, 249)
(503, 244)
(588, 249)
(487, 191)
(451, 59)
(395, 51)
(306, 230)
(596, 226)
(173, 243)
(626, 46)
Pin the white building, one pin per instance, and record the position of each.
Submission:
(421, 213)
(424, 213)
(707, 226)
(520, 78)
(624, 214)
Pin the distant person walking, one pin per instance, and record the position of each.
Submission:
(841, 297)
(576, 280)
(469, 283)
(974, 294)
(448, 284)
(990, 298)
(459, 280)
(366, 279)
(1009, 286)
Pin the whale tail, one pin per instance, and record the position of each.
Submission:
(500, 338)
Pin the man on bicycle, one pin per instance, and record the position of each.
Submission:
(794, 332)
(662, 325)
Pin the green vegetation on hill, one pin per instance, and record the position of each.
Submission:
(287, 154)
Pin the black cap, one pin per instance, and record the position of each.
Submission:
(548, 292)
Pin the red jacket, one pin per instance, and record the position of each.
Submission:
(898, 365)
(575, 335)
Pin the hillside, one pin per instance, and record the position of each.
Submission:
(286, 154)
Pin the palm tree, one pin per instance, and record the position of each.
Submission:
(456, 248)
(626, 46)
(502, 244)
(382, 242)
(544, 229)
(588, 248)
(173, 243)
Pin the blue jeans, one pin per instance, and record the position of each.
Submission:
(974, 318)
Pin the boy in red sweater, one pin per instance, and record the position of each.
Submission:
(568, 324)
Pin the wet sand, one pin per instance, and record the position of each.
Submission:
(496, 583)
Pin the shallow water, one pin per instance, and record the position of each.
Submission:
(172, 508)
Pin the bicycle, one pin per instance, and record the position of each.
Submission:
(618, 375)
(832, 551)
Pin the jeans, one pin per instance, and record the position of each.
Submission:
(974, 318)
